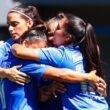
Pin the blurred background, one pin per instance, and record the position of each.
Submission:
(94, 11)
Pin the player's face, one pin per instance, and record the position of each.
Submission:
(51, 30)
(17, 25)
(56, 31)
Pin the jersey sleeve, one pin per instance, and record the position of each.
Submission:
(35, 70)
(5, 47)
(50, 56)
(2, 51)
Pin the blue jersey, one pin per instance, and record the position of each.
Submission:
(17, 97)
(5, 48)
(79, 96)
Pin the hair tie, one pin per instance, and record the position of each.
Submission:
(83, 36)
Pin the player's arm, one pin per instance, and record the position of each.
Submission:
(25, 53)
(66, 75)
(70, 76)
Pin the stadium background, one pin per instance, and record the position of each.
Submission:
(95, 11)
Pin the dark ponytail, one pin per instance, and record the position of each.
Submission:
(90, 51)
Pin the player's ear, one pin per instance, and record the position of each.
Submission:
(29, 23)
(25, 43)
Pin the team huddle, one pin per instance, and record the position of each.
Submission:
(51, 65)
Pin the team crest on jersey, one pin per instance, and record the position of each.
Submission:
(79, 67)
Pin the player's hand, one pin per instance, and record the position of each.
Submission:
(93, 77)
(101, 87)
(16, 76)
(57, 87)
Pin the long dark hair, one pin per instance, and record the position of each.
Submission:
(84, 36)
(91, 51)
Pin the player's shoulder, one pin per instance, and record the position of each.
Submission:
(1, 42)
